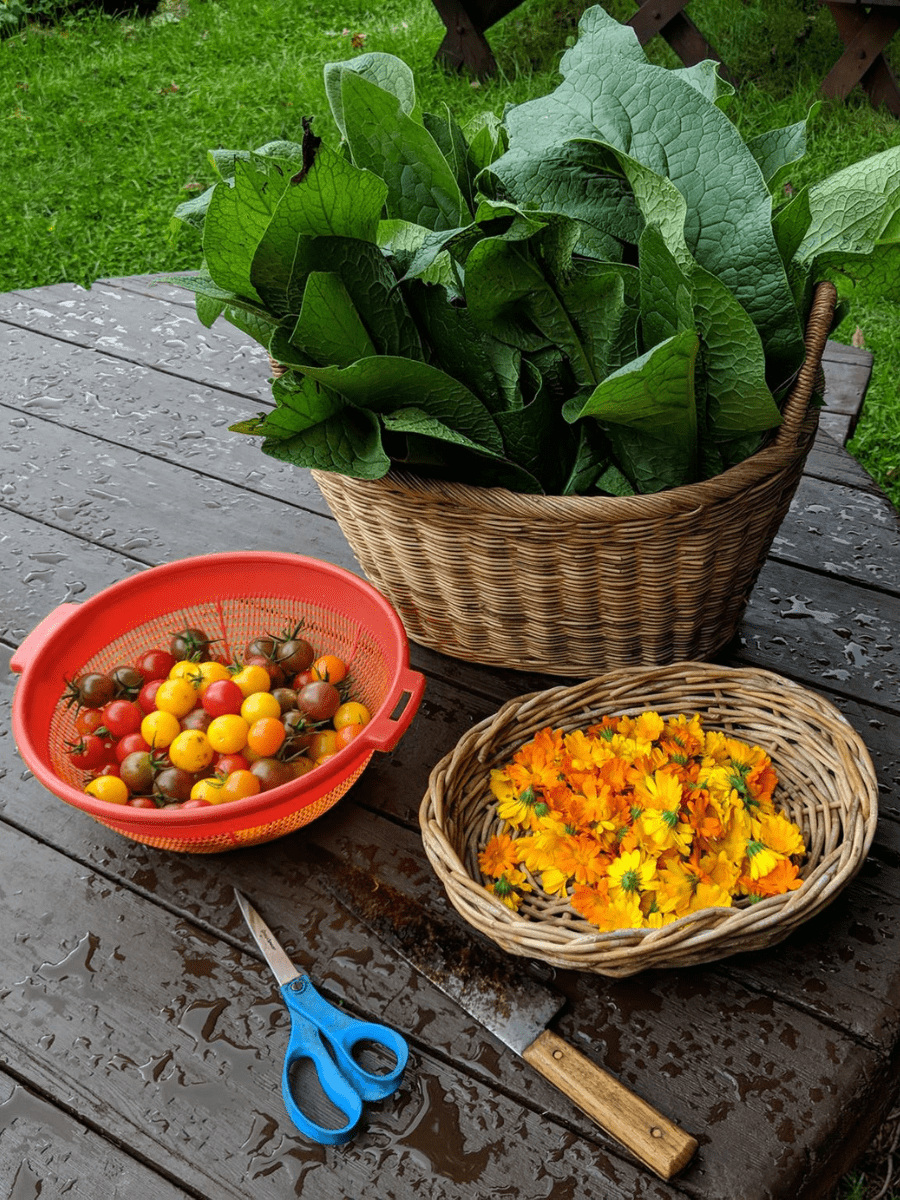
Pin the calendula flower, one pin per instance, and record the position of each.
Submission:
(637, 821)
(498, 856)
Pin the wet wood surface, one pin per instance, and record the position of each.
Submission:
(142, 1035)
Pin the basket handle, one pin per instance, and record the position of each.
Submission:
(401, 704)
(818, 326)
(41, 633)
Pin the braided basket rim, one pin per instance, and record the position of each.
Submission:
(834, 796)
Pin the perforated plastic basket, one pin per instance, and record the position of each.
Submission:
(233, 597)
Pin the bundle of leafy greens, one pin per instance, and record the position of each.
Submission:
(594, 294)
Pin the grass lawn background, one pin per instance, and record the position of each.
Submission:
(105, 123)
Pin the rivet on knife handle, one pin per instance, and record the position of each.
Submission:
(664, 1147)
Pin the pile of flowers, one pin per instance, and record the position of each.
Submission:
(637, 821)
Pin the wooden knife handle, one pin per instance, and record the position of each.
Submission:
(646, 1133)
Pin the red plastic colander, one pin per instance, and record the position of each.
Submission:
(233, 598)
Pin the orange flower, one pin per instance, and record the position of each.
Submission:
(498, 855)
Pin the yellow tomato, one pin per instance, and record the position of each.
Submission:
(211, 672)
(191, 750)
(351, 713)
(110, 788)
(324, 743)
(177, 696)
(209, 790)
(228, 734)
(159, 729)
(240, 784)
(185, 669)
(252, 679)
(260, 704)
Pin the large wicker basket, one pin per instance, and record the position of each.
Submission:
(574, 585)
(827, 785)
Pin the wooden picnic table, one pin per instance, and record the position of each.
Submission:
(142, 1035)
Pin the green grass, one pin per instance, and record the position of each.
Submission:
(105, 123)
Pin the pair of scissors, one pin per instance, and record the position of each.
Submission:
(327, 1038)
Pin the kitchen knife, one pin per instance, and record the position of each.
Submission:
(515, 1009)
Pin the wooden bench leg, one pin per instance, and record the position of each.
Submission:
(667, 18)
(464, 44)
(865, 34)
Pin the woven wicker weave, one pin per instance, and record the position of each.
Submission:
(827, 785)
(575, 585)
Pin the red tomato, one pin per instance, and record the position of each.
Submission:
(301, 680)
(155, 664)
(131, 743)
(90, 752)
(197, 802)
(147, 695)
(223, 698)
(226, 764)
(88, 720)
(122, 717)
(108, 769)
(142, 802)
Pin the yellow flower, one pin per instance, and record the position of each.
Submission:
(779, 834)
(504, 888)
(631, 873)
(762, 859)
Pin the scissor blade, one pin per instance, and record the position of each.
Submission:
(282, 967)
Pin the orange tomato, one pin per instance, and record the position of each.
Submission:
(324, 742)
(238, 785)
(266, 736)
(330, 668)
(347, 733)
(351, 712)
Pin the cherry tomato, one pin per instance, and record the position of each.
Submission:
(128, 681)
(95, 690)
(319, 700)
(294, 655)
(130, 744)
(89, 752)
(122, 717)
(109, 788)
(263, 646)
(223, 696)
(271, 773)
(265, 736)
(228, 734)
(185, 669)
(330, 668)
(197, 718)
(212, 672)
(347, 733)
(239, 785)
(253, 677)
(147, 695)
(155, 664)
(138, 771)
(142, 802)
(191, 750)
(176, 696)
(108, 769)
(158, 729)
(173, 785)
(260, 704)
(206, 789)
(88, 720)
(301, 680)
(301, 766)
(195, 802)
(286, 697)
(190, 642)
(272, 669)
(323, 744)
(225, 764)
(351, 712)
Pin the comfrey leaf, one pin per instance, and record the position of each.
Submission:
(348, 443)
(855, 208)
(777, 150)
(384, 70)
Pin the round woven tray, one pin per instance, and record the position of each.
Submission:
(575, 585)
(827, 785)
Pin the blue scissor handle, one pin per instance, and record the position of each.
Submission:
(315, 1022)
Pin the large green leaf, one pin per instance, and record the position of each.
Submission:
(654, 396)
(777, 150)
(612, 95)
(667, 305)
(421, 186)
(855, 208)
(385, 384)
(537, 438)
(384, 70)
(300, 404)
(329, 329)
(348, 443)
(236, 221)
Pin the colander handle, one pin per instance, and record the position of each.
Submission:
(385, 732)
(34, 642)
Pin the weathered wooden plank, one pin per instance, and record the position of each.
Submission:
(44, 1151)
(177, 1036)
(829, 634)
(136, 502)
(844, 532)
(829, 461)
(126, 325)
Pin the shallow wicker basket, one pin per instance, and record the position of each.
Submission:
(575, 585)
(827, 785)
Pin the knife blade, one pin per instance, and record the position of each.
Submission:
(515, 1008)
